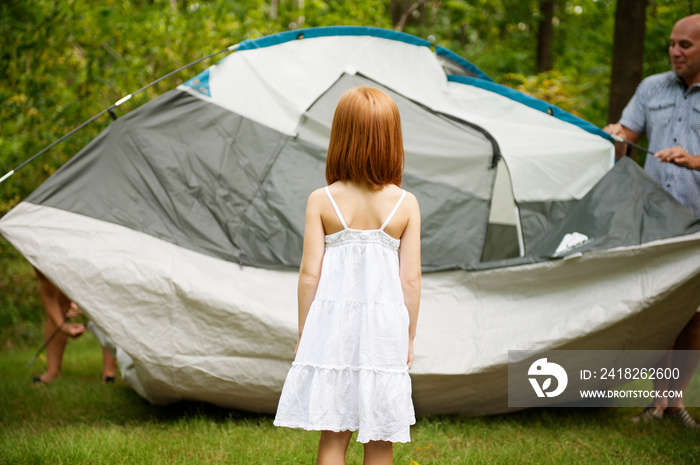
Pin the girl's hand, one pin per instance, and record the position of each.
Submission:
(72, 329)
(73, 311)
(410, 355)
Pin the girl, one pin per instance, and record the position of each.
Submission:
(359, 290)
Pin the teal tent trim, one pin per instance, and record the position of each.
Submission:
(310, 33)
(447, 53)
(200, 83)
(531, 102)
(390, 34)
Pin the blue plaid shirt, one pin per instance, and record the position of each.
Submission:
(668, 111)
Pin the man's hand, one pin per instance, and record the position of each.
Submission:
(615, 129)
(618, 130)
(678, 156)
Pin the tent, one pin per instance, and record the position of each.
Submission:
(179, 228)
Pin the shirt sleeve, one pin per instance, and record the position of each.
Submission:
(634, 115)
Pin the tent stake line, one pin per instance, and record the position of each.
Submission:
(46, 344)
(110, 109)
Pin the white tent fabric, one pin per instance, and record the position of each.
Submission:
(548, 158)
(275, 86)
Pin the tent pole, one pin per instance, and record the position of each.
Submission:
(642, 149)
(111, 108)
(7, 175)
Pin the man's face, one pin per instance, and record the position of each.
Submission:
(684, 49)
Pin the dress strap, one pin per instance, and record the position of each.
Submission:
(396, 207)
(335, 207)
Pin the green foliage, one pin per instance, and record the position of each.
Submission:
(661, 15)
(65, 61)
(21, 310)
(552, 87)
(500, 37)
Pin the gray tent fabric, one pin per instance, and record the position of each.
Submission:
(539, 217)
(177, 168)
(625, 208)
(501, 243)
(206, 179)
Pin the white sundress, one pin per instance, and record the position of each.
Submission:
(350, 371)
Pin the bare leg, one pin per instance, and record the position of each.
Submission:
(688, 339)
(332, 447)
(56, 305)
(109, 365)
(379, 453)
(54, 352)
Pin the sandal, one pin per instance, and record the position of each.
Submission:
(37, 380)
(684, 417)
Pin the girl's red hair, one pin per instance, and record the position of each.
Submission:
(366, 143)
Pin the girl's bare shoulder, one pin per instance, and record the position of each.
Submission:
(411, 201)
(318, 193)
(317, 200)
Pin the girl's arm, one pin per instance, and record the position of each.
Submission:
(312, 257)
(409, 269)
(53, 300)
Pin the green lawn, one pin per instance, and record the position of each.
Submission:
(79, 420)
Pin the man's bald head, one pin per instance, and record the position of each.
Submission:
(692, 21)
(684, 49)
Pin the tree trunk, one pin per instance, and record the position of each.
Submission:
(628, 54)
(407, 14)
(544, 36)
(273, 9)
(398, 7)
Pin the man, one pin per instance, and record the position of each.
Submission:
(667, 108)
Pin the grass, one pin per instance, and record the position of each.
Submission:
(78, 420)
